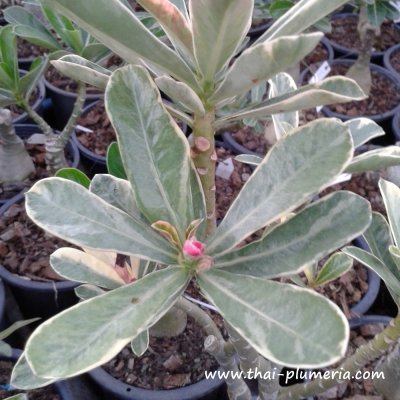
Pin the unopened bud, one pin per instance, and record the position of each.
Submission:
(193, 248)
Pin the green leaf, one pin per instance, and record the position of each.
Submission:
(5, 349)
(64, 346)
(8, 51)
(69, 211)
(374, 160)
(363, 129)
(86, 292)
(6, 97)
(15, 326)
(74, 175)
(379, 240)
(63, 27)
(301, 16)
(114, 161)
(160, 178)
(331, 90)
(337, 265)
(219, 28)
(173, 22)
(77, 68)
(391, 197)
(121, 31)
(20, 396)
(78, 266)
(307, 237)
(283, 123)
(395, 253)
(370, 261)
(182, 93)
(23, 378)
(278, 320)
(140, 343)
(117, 192)
(317, 152)
(262, 62)
(248, 159)
(30, 28)
(95, 52)
(29, 81)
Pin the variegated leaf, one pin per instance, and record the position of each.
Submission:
(363, 129)
(331, 90)
(218, 30)
(259, 63)
(80, 69)
(391, 197)
(320, 150)
(278, 320)
(116, 26)
(69, 211)
(154, 151)
(307, 237)
(140, 343)
(64, 346)
(337, 265)
(78, 266)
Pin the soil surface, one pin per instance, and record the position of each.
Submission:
(344, 32)
(168, 363)
(29, 50)
(395, 60)
(384, 96)
(25, 248)
(47, 393)
(318, 55)
(65, 83)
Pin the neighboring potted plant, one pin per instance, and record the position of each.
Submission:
(59, 36)
(164, 213)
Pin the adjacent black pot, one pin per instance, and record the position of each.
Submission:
(24, 131)
(341, 51)
(383, 119)
(63, 104)
(211, 389)
(37, 106)
(61, 387)
(396, 127)
(37, 299)
(386, 59)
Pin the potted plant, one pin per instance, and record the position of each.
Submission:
(165, 211)
(59, 36)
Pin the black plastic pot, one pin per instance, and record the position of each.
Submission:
(386, 59)
(37, 105)
(344, 52)
(61, 387)
(383, 119)
(211, 389)
(37, 299)
(396, 127)
(63, 103)
(24, 131)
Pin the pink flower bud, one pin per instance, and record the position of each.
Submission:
(193, 248)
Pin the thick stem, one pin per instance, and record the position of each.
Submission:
(361, 357)
(252, 363)
(236, 386)
(76, 113)
(15, 162)
(204, 158)
(202, 319)
(360, 70)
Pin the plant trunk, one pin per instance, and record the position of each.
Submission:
(15, 162)
(205, 158)
(360, 70)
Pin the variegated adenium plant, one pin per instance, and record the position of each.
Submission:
(164, 213)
